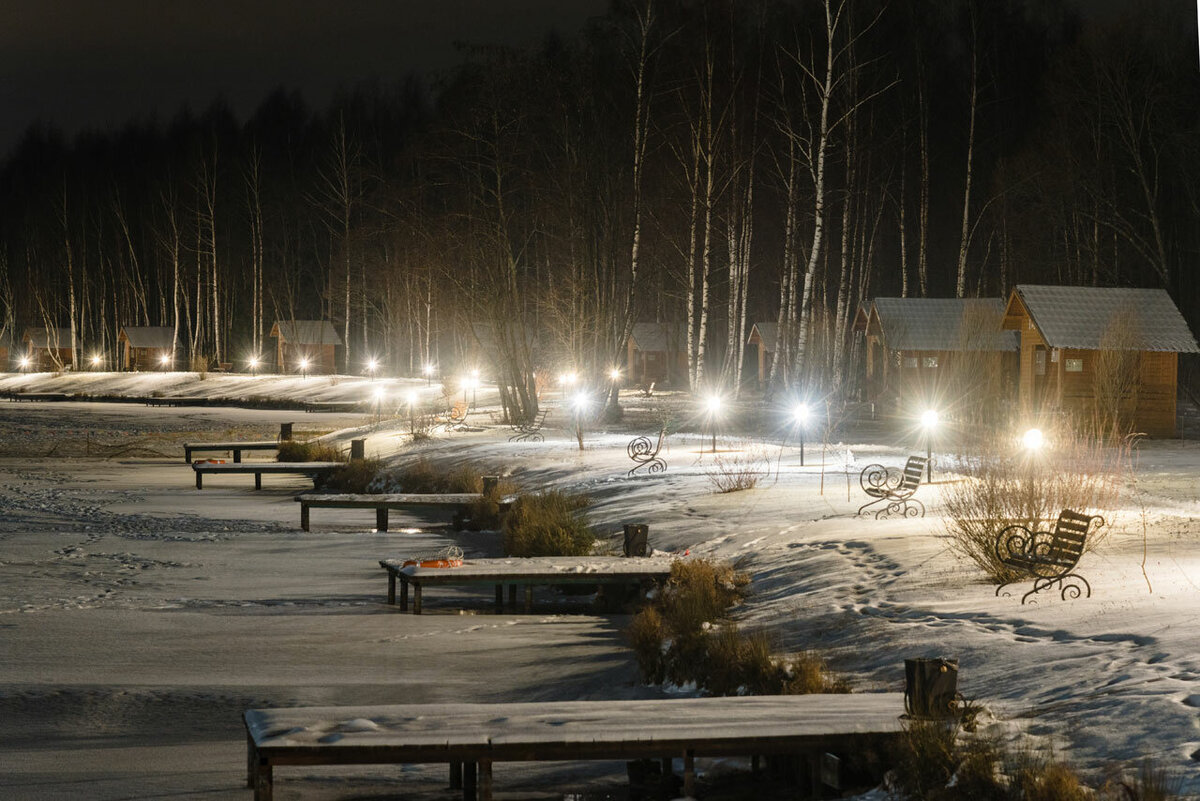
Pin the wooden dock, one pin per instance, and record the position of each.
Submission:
(236, 448)
(514, 572)
(311, 469)
(475, 736)
(382, 503)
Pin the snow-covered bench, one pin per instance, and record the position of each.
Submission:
(471, 738)
(236, 448)
(383, 502)
(313, 469)
(1049, 558)
(513, 571)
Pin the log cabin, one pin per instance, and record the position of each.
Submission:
(305, 346)
(656, 353)
(48, 349)
(1100, 354)
(764, 336)
(146, 347)
(937, 351)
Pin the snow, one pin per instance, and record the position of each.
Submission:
(139, 617)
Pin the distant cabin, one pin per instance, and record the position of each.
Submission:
(763, 336)
(8, 352)
(305, 346)
(656, 353)
(48, 349)
(936, 350)
(144, 347)
(1088, 350)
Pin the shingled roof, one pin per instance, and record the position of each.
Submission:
(652, 337)
(942, 324)
(768, 333)
(1079, 316)
(48, 337)
(148, 336)
(306, 332)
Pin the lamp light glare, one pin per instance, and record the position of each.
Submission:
(800, 412)
(253, 362)
(372, 364)
(95, 360)
(379, 393)
(614, 374)
(165, 359)
(24, 361)
(567, 379)
(428, 369)
(714, 404)
(412, 399)
(304, 364)
(930, 418)
(580, 402)
(1033, 439)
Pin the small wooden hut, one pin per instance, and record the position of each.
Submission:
(312, 343)
(1100, 353)
(143, 347)
(48, 348)
(936, 350)
(764, 336)
(656, 353)
(8, 352)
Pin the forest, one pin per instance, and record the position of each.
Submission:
(706, 163)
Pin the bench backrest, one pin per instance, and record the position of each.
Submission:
(914, 469)
(1070, 534)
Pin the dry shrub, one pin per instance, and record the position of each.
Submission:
(1050, 781)
(294, 451)
(1151, 782)
(357, 476)
(738, 472)
(1003, 488)
(548, 524)
(647, 632)
(484, 514)
(422, 477)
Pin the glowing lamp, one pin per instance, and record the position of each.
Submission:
(581, 402)
(412, 399)
(800, 412)
(475, 375)
(24, 361)
(372, 364)
(95, 360)
(253, 362)
(614, 374)
(1033, 439)
(428, 369)
(379, 393)
(567, 379)
(929, 419)
(713, 404)
(304, 364)
(165, 359)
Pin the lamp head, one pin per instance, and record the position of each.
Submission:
(304, 364)
(800, 413)
(475, 373)
(253, 362)
(580, 402)
(372, 364)
(95, 360)
(24, 361)
(379, 393)
(165, 359)
(713, 404)
(1033, 439)
(412, 399)
(428, 369)
(929, 419)
(615, 373)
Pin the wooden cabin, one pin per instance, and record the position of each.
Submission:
(1099, 353)
(311, 343)
(145, 347)
(936, 351)
(8, 352)
(656, 353)
(763, 336)
(48, 349)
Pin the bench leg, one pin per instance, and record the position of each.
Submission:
(187, 455)
(304, 520)
(264, 786)
(237, 457)
(251, 762)
(258, 481)
(469, 774)
(416, 598)
(381, 519)
(499, 598)
(391, 588)
(456, 774)
(403, 594)
(199, 480)
(689, 773)
(528, 598)
(485, 780)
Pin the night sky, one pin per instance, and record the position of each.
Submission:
(87, 64)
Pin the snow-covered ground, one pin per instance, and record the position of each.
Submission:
(139, 616)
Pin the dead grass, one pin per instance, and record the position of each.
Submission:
(295, 451)
(548, 524)
(484, 514)
(424, 477)
(737, 472)
(356, 476)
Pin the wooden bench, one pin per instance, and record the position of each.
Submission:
(471, 738)
(384, 502)
(514, 571)
(531, 431)
(234, 447)
(312, 469)
(1048, 557)
(40, 397)
(894, 488)
(333, 406)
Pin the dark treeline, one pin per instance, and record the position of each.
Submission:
(705, 162)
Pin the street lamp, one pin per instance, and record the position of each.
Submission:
(164, 361)
(713, 405)
(96, 361)
(800, 414)
(412, 418)
(428, 370)
(929, 421)
(304, 366)
(1033, 440)
(24, 363)
(379, 396)
(372, 366)
(566, 380)
(580, 405)
(253, 362)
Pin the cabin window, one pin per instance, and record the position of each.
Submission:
(910, 362)
(1054, 356)
(1074, 365)
(930, 361)
(1039, 361)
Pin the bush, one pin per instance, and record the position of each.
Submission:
(484, 514)
(548, 524)
(423, 477)
(356, 476)
(736, 473)
(294, 451)
(1002, 489)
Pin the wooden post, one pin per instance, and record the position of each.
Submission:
(258, 481)
(237, 455)
(456, 775)
(485, 780)
(199, 480)
(490, 483)
(358, 449)
(381, 518)
(251, 760)
(689, 773)
(303, 516)
(285, 432)
(392, 587)
(416, 598)
(264, 787)
(469, 774)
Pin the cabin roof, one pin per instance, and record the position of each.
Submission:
(943, 324)
(1081, 317)
(768, 334)
(58, 338)
(658, 337)
(148, 336)
(306, 332)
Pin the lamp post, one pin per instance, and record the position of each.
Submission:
(253, 362)
(165, 361)
(372, 366)
(580, 404)
(428, 370)
(713, 405)
(380, 393)
(929, 421)
(304, 367)
(800, 414)
(474, 385)
(95, 361)
(24, 363)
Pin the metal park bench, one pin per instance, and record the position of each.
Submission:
(455, 418)
(1049, 558)
(645, 454)
(315, 470)
(472, 737)
(532, 430)
(893, 488)
(236, 448)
